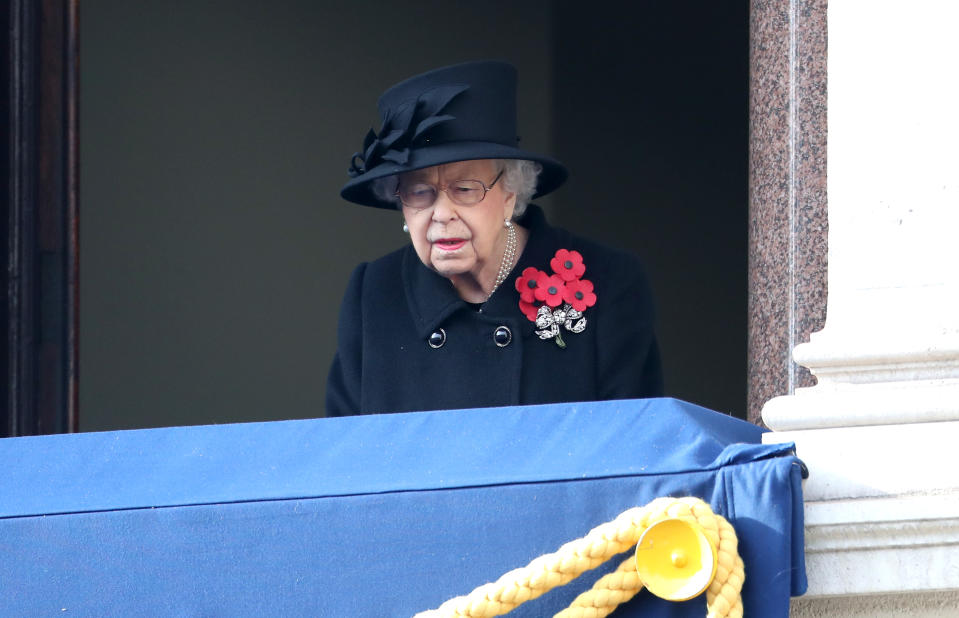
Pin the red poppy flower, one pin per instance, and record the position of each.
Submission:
(568, 264)
(551, 292)
(529, 310)
(579, 294)
(528, 282)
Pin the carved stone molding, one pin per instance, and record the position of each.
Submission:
(900, 545)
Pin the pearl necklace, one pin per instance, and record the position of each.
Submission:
(506, 265)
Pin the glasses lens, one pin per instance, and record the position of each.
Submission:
(466, 192)
(419, 195)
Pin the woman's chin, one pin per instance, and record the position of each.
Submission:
(452, 268)
(450, 264)
(449, 270)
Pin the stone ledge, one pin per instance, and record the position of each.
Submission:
(882, 523)
(883, 546)
(881, 512)
(876, 461)
(939, 604)
(864, 404)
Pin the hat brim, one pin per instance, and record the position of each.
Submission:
(358, 190)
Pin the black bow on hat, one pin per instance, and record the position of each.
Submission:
(456, 113)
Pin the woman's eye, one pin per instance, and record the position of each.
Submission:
(420, 191)
(463, 188)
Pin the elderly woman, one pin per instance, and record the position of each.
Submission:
(488, 305)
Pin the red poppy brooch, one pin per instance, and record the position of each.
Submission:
(556, 301)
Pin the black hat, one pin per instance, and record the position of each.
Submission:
(456, 113)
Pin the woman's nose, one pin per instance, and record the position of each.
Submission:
(443, 208)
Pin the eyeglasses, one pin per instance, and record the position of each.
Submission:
(422, 195)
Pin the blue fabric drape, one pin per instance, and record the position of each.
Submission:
(376, 515)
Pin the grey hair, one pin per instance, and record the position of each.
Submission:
(519, 176)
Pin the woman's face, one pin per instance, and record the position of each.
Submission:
(454, 240)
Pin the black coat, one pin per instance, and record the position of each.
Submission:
(393, 305)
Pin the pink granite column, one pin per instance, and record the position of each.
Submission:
(787, 192)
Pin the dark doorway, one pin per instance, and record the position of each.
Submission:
(216, 136)
(39, 239)
(651, 114)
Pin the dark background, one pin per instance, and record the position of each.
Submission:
(215, 137)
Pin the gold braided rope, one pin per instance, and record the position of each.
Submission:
(602, 543)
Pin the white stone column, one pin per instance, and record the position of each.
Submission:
(880, 430)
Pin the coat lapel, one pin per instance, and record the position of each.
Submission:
(431, 297)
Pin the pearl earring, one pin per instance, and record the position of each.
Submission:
(507, 223)
(406, 229)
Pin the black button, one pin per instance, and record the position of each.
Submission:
(502, 336)
(437, 339)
